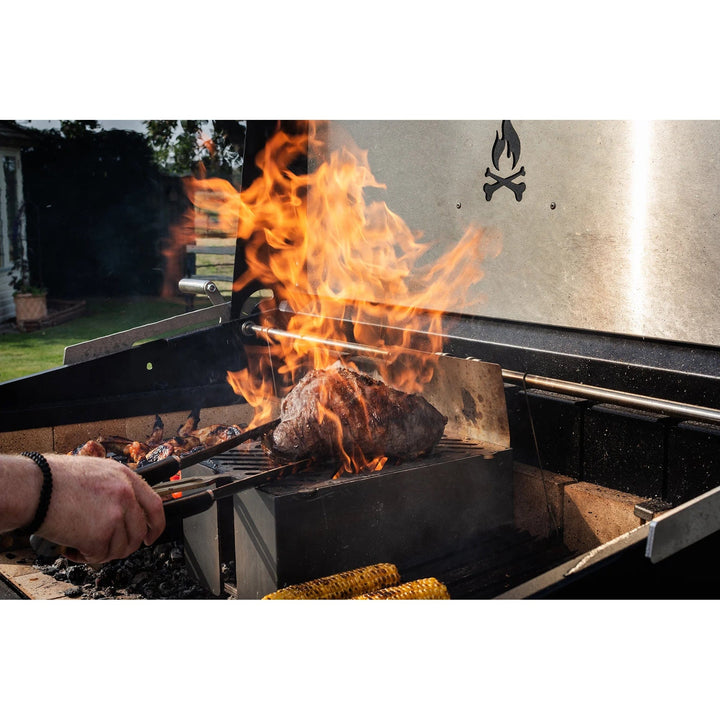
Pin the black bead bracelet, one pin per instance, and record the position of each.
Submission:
(45, 492)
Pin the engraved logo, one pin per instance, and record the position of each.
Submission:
(509, 143)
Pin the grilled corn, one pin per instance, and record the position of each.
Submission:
(342, 585)
(424, 589)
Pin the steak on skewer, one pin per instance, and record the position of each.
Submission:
(375, 420)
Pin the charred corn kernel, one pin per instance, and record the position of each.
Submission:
(342, 585)
(424, 589)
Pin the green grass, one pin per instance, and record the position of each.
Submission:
(31, 352)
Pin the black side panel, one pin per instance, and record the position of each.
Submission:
(180, 373)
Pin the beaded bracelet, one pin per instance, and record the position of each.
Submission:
(45, 492)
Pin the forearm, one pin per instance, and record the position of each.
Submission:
(98, 507)
(20, 484)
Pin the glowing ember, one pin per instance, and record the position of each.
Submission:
(333, 257)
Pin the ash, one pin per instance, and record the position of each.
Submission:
(151, 573)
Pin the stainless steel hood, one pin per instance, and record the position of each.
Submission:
(617, 227)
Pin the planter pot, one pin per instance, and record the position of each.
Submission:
(30, 307)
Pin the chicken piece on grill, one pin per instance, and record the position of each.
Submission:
(190, 425)
(136, 451)
(156, 435)
(92, 448)
(209, 435)
(376, 420)
(214, 434)
(188, 438)
(181, 444)
(177, 445)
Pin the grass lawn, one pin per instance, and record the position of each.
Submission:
(31, 352)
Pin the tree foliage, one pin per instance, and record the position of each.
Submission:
(198, 147)
(74, 129)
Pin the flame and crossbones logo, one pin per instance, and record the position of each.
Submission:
(507, 142)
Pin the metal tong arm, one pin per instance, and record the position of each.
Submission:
(200, 501)
(162, 470)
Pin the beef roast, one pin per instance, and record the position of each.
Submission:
(376, 420)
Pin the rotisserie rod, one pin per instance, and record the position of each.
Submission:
(647, 403)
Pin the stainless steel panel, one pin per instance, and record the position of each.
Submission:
(684, 525)
(616, 230)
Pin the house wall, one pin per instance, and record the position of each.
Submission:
(9, 196)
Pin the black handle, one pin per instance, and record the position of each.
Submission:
(187, 506)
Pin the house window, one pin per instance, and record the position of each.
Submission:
(11, 226)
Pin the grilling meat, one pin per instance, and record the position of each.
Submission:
(214, 434)
(92, 448)
(177, 445)
(188, 438)
(376, 420)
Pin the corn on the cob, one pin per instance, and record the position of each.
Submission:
(424, 589)
(342, 585)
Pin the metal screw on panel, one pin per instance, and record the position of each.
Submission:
(458, 205)
(552, 205)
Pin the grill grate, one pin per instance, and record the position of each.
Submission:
(250, 459)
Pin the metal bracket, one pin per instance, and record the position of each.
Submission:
(648, 509)
(98, 347)
(681, 527)
(125, 339)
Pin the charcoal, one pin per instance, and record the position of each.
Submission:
(156, 572)
(122, 577)
(76, 574)
(105, 576)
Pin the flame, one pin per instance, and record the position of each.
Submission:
(332, 257)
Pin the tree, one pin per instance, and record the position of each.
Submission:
(78, 128)
(198, 147)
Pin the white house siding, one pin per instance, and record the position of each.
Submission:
(7, 306)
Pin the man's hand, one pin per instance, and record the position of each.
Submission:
(99, 508)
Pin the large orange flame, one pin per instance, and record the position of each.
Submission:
(331, 256)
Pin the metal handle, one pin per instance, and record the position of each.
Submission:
(187, 506)
(198, 286)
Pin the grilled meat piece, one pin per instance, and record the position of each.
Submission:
(181, 444)
(190, 425)
(136, 451)
(156, 435)
(376, 420)
(214, 434)
(174, 446)
(92, 448)
(208, 436)
(189, 438)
